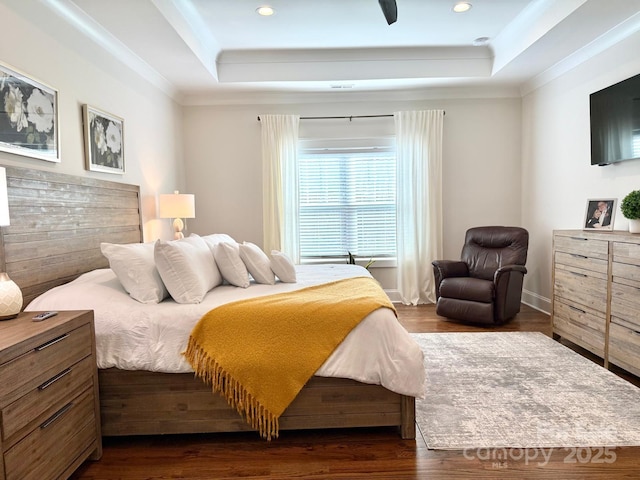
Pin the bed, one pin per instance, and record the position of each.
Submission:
(58, 223)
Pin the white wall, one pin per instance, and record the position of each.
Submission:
(481, 161)
(54, 54)
(557, 178)
(506, 160)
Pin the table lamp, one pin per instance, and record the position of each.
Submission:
(10, 294)
(177, 205)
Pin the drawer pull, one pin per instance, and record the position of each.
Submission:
(52, 342)
(579, 274)
(577, 309)
(57, 415)
(578, 256)
(579, 238)
(54, 379)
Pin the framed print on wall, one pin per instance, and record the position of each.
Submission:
(599, 214)
(28, 116)
(103, 140)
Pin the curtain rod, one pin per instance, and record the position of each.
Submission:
(350, 117)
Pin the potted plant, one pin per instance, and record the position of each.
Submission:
(630, 207)
(352, 260)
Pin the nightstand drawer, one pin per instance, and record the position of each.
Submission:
(46, 399)
(38, 365)
(56, 443)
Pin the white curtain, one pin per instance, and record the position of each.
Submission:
(419, 202)
(280, 183)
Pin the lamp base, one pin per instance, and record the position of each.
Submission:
(178, 225)
(8, 317)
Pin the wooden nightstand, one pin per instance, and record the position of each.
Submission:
(50, 412)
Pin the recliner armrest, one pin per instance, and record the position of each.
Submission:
(508, 290)
(451, 268)
(446, 269)
(508, 269)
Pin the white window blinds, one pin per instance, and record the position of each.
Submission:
(347, 202)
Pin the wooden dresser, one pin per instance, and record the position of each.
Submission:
(596, 294)
(50, 417)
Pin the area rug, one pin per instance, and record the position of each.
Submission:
(520, 390)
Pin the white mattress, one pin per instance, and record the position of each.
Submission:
(134, 336)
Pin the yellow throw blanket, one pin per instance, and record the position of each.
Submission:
(259, 353)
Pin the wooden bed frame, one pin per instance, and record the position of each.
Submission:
(57, 224)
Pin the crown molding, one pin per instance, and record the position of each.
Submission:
(77, 18)
(624, 30)
(266, 98)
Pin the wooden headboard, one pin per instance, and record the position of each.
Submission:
(57, 224)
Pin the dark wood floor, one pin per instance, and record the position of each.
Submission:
(353, 454)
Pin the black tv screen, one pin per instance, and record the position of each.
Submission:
(615, 122)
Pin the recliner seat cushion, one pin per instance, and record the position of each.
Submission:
(474, 312)
(468, 288)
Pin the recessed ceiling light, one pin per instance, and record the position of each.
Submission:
(478, 42)
(462, 7)
(265, 11)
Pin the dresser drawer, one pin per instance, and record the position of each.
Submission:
(57, 443)
(38, 365)
(581, 245)
(625, 305)
(626, 274)
(624, 348)
(584, 289)
(582, 262)
(626, 253)
(47, 398)
(581, 326)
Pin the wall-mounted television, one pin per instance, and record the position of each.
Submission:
(615, 122)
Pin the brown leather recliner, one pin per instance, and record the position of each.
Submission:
(485, 286)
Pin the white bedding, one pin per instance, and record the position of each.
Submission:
(135, 336)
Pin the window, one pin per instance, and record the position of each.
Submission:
(347, 202)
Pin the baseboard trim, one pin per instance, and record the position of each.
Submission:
(394, 296)
(536, 301)
(529, 298)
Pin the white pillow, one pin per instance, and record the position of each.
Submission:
(257, 263)
(283, 267)
(216, 238)
(134, 266)
(187, 268)
(231, 266)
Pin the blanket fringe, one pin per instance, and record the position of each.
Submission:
(255, 414)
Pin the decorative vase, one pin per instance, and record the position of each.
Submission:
(10, 298)
(634, 225)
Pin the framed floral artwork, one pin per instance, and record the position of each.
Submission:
(103, 140)
(28, 116)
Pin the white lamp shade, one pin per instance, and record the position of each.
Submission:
(10, 298)
(4, 199)
(177, 205)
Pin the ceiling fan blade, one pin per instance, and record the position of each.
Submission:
(390, 10)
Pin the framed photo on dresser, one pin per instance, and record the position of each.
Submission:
(599, 214)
